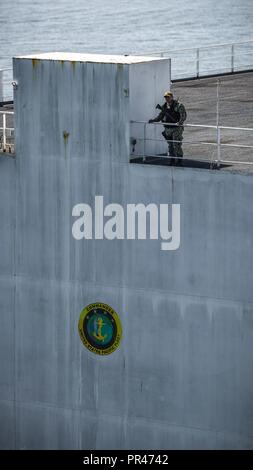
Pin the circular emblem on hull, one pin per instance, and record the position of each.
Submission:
(100, 328)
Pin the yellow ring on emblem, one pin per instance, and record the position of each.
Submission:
(100, 328)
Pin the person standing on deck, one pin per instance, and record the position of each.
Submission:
(172, 112)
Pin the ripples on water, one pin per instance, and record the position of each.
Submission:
(119, 26)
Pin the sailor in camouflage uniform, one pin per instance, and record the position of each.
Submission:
(172, 112)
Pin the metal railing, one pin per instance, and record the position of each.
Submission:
(217, 143)
(6, 133)
(209, 60)
(6, 84)
(195, 62)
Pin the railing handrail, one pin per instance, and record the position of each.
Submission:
(6, 112)
(217, 143)
(200, 58)
(211, 46)
(5, 128)
(193, 125)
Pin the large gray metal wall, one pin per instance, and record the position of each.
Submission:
(182, 377)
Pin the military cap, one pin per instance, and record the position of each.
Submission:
(167, 93)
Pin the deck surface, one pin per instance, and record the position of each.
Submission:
(236, 110)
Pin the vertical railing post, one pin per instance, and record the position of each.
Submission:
(218, 103)
(218, 146)
(4, 132)
(232, 58)
(170, 73)
(144, 143)
(197, 62)
(218, 124)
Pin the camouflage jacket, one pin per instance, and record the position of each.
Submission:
(176, 113)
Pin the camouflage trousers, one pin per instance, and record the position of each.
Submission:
(174, 133)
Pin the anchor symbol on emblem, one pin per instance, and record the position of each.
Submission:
(98, 329)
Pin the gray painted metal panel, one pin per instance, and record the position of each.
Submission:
(7, 339)
(7, 427)
(85, 101)
(7, 214)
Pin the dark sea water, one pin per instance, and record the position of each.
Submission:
(119, 26)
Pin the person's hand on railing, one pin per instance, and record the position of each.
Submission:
(151, 121)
